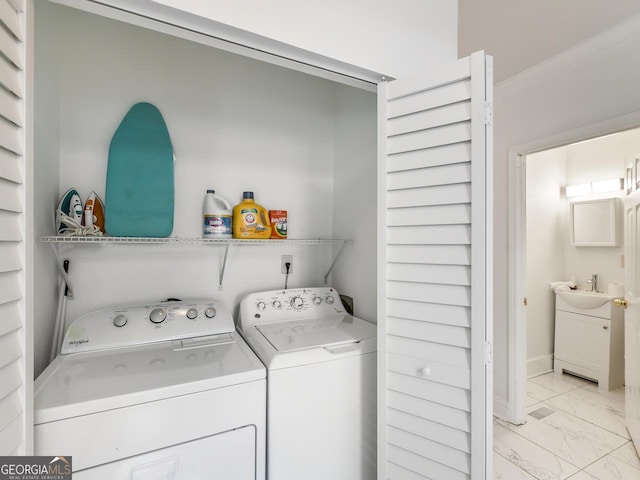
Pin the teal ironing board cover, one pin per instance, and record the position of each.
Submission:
(140, 190)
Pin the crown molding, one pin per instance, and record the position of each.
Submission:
(580, 53)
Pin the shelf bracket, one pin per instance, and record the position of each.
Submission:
(65, 275)
(57, 242)
(326, 277)
(223, 266)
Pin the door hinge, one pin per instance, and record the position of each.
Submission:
(488, 353)
(488, 113)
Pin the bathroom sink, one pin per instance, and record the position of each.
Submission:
(584, 299)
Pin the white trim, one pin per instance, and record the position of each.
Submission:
(382, 280)
(29, 216)
(516, 323)
(500, 407)
(539, 365)
(214, 34)
(481, 258)
(568, 58)
(517, 330)
(588, 132)
(18, 5)
(489, 262)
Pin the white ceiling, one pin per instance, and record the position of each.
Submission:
(521, 33)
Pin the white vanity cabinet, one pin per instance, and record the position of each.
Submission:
(589, 338)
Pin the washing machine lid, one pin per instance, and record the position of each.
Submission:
(89, 382)
(317, 332)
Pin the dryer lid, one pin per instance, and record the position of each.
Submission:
(316, 332)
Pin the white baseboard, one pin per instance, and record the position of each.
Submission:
(539, 365)
(501, 407)
(535, 366)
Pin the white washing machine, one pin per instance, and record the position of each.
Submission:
(168, 391)
(321, 384)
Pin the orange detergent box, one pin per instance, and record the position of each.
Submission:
(278, 220)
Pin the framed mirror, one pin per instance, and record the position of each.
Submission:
(594, 223)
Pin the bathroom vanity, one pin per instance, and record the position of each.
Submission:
(589, 337)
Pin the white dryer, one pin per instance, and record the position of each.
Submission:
(321, 384)
(147, 392)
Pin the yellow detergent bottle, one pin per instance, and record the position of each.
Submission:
(250, 220)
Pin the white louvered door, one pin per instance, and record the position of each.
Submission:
(13, 386)
(435, 289)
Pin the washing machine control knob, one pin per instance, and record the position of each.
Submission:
(192, 313)
(329, 299)
(261, 306)
(120, 320)
(317, 300)
(297, 303)
(158, 315)
(210, 312)
(277, 304)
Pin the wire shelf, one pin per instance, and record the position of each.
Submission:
(57, 243)
(184, 241)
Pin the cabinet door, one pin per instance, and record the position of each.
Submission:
(435, 279)
(583, 341)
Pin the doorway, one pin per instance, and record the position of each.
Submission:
(519, 366)
(573, 175)
(550, 403)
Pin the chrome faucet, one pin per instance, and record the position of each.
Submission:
(592, 283)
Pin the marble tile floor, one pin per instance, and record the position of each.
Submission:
(573, 431)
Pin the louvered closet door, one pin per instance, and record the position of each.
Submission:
(12, 369)
(435, 279)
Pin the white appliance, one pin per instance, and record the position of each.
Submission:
(167, 391)
(321, 376)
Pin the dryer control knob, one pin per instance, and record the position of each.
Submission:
(210, 312)
(317, 300)
(329, 299)
(120, 320)
(158, 315)
(261, 306)
(276, 304)
(297, 303)
(192, 313)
